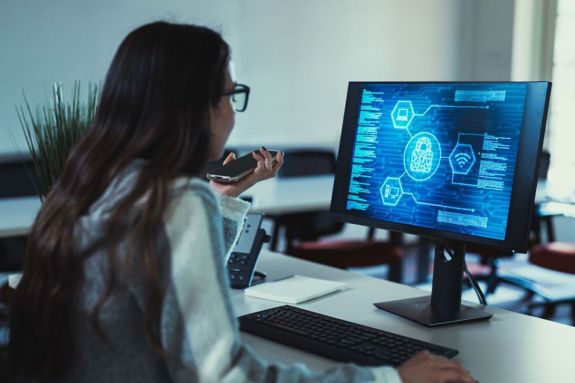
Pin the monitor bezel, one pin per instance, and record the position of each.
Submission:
(521, 205)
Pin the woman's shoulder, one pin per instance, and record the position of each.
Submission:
(194, 190)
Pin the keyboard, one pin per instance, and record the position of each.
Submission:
(335, 338)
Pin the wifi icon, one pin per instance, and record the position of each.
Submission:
(462, 159)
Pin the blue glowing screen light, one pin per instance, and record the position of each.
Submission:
(437, 155)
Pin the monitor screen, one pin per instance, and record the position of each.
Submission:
(450, 160)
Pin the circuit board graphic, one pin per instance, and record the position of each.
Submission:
(437, 155)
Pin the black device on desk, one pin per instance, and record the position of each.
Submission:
(455, 161)
(242, 262)
(335, 338)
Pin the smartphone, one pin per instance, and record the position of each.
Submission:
(236, 170)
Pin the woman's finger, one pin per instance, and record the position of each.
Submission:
(453, 376)
(267, 158)
(260, 159)
(279, 162)
(450, 368)
(230, 157)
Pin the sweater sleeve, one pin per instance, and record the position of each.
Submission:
(233, 211)
(199, 330)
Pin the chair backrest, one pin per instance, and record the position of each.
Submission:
(307, 162)
(16, 180)
(16, 177)
(544, 162)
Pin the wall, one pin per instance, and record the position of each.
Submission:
(487, 39)
(297, 55)
(42, 42)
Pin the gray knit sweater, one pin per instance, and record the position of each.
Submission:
(198, 328)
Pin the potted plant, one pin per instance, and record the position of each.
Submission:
(52, 130)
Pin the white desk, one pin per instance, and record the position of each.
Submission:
(17, 215)
(508, 348)
(291, 195)
(274, 196)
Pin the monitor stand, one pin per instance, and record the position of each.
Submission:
(444, 306)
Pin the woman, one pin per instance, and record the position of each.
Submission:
(124, 278)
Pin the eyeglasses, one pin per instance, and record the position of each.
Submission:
(239, 96)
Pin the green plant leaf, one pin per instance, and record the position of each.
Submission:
(52, 130)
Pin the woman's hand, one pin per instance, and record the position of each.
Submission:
(265, 169)
(425, 367)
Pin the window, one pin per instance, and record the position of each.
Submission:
(562, 109)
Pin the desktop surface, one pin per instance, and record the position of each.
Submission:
(17, 215)
(511, 347)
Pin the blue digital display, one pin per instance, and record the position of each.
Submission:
(437, 155)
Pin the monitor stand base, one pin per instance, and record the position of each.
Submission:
(419, 310)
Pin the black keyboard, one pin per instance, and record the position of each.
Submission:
(335, 338)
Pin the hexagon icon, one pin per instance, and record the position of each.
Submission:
(391, 191)
(402, 114)
(462, 158)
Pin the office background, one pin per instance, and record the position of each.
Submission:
(298, 56)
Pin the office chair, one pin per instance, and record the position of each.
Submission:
(307, 162)
(303, 231)
(16, 180)
(344, 254)
(17, 177)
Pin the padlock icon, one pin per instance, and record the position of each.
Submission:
(422, 156)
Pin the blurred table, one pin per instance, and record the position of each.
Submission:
(274, 197)
(270, 197)
(547, 207)
(291, 195)
(17, 215)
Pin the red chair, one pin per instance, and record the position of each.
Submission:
(344, 254)
(558, 256)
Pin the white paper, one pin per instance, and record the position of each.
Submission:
(294, 290)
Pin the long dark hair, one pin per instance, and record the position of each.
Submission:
(154, 106)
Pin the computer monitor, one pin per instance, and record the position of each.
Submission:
(455, 161)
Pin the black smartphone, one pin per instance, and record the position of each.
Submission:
(236, 170)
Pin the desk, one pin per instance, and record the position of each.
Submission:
(291, 195)
(17, 215)
(544, 214)
(273, 197)
(508, 348)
